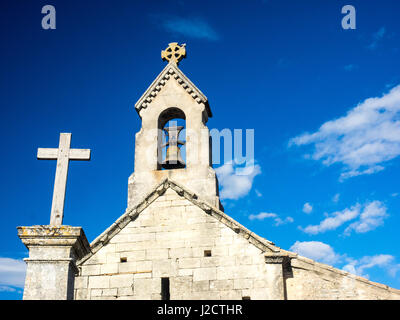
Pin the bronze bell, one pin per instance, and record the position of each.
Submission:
(173, 159)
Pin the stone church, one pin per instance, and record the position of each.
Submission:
(174, 241)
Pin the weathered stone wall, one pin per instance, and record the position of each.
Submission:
(168, 239)
(311, 280)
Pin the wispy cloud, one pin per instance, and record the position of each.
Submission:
(334, 221)
(316, 250)
(384, 261)
(307, 208)
(371, 215)
(191, 27)
(376, 38)
(12, 274)
(363, 140)
(350, 67)
(265, 215)
(336, 198)
(236, 182)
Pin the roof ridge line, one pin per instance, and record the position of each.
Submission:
(156, 86)
(293, 255)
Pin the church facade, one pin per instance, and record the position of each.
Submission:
(174, 241)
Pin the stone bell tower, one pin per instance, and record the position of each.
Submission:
(173, 96)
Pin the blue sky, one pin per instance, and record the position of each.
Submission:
(324, 104)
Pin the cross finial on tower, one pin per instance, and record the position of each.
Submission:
(174, 53)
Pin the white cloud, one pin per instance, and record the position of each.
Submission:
(384, 261)
(236, 182)
(363, 140)
(350, 67)
(192, 27)
(307, 208)
(279, 221)
(376, 38)
(316, 250)
(258, 193)
(333, 221)
(264, 215)
(371, 216)
(336, 198)
(12, 272)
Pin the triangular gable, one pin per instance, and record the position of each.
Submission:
(271, 252)
(132, 213)
(171, 71)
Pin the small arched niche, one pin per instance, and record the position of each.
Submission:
(171, 150)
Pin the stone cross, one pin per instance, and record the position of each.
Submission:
(63, 154)
(174, 53)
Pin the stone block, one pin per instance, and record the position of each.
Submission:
(113, 257)
(142, 275)
(180, 253)
(164, 268)
(109, 268)
(81, 294)
(185, 272)
(243, 283)
(96, 292)
(205, 274)
(99, 282)
(231, 295)
(137, 255)
(156, 254)
(121, 280)
(88, 270)
(125, 291)
(185, 263)
(220, 285)
(109, 292)
(203, 285)
(81, 282)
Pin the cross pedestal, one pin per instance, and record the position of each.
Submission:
(51, 266)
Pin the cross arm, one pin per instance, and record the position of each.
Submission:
(79, 154)
(52, 154)
(47, 153)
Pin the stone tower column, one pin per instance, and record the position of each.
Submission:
(173, 96)
(51, 268)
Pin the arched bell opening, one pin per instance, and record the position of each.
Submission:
(171, 139)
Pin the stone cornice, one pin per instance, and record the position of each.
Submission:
(171, 71)
(47, 235)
